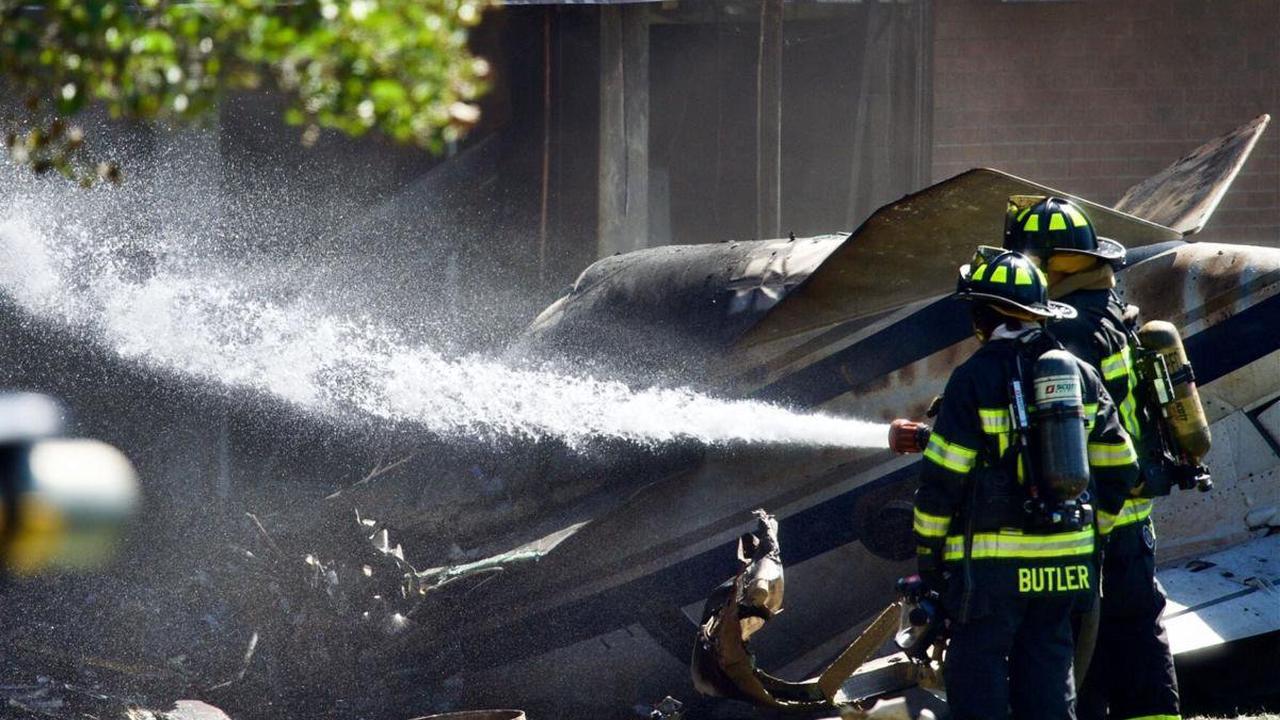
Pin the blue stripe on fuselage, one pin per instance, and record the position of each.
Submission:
(1243, 338)
(809, 533)
(936, 326)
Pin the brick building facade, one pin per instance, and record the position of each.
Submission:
(1092, 97)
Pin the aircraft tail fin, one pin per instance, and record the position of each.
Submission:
(1185, 194)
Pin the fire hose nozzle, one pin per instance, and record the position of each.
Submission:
(908, 436)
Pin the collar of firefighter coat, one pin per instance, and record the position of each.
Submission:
(1100, 277)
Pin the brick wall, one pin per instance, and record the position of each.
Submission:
(1091, 97)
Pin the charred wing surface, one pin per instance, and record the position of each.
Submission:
(669, 310)
(1185, 194)
(1226, 596)
(930, 232)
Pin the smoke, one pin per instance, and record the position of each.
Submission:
(133, 274)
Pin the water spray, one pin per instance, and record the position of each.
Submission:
(207, 319)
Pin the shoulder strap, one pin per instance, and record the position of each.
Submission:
(1125, 316)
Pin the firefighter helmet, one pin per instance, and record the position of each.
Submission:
(1042, 226)
(1012, 284)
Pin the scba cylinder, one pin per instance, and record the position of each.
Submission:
(1060, 426)
(1183, 411)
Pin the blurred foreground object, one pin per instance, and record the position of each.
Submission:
(64, 502)
(478, 715)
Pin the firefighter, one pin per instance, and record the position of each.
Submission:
(1132, 671)
(1011, 565)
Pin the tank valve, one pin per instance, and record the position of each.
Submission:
(908, 436)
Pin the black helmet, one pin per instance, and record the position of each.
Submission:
(1042, 226)
(1012, 284)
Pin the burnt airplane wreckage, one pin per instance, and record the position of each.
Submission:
(610, 591)
(583, 591)
(723, 665)
(832, 323)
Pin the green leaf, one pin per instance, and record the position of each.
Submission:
(387, 92)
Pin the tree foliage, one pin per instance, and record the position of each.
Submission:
(400, 67)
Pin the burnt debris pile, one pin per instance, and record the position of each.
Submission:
(266, 625)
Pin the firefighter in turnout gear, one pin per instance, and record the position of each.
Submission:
(1132, 672)
(1009, 539)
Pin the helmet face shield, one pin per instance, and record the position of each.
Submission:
(985, 254)
(982, 256)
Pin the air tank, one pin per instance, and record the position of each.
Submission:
(1183, 412)
(1060, 428)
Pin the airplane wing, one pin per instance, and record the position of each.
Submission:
(1185, 194)
(909, 250)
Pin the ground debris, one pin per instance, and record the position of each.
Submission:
(46, 697)
(266, 621)
(669, 709)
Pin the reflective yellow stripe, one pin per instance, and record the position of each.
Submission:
(1021, 276)
(1057, 222)
(1033, 224)
(1077, 217)
(1108, 455)
(1106, 521)
(956, 458)
(1000, 274)
(933, 526)
(995, 420)
(1116, 365)
(1135, 511)
(1127, 417)
(979, 273)
(987, 546)
(1090, 415)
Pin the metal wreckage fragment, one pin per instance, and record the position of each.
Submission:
(724, 666)
(307, 622)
